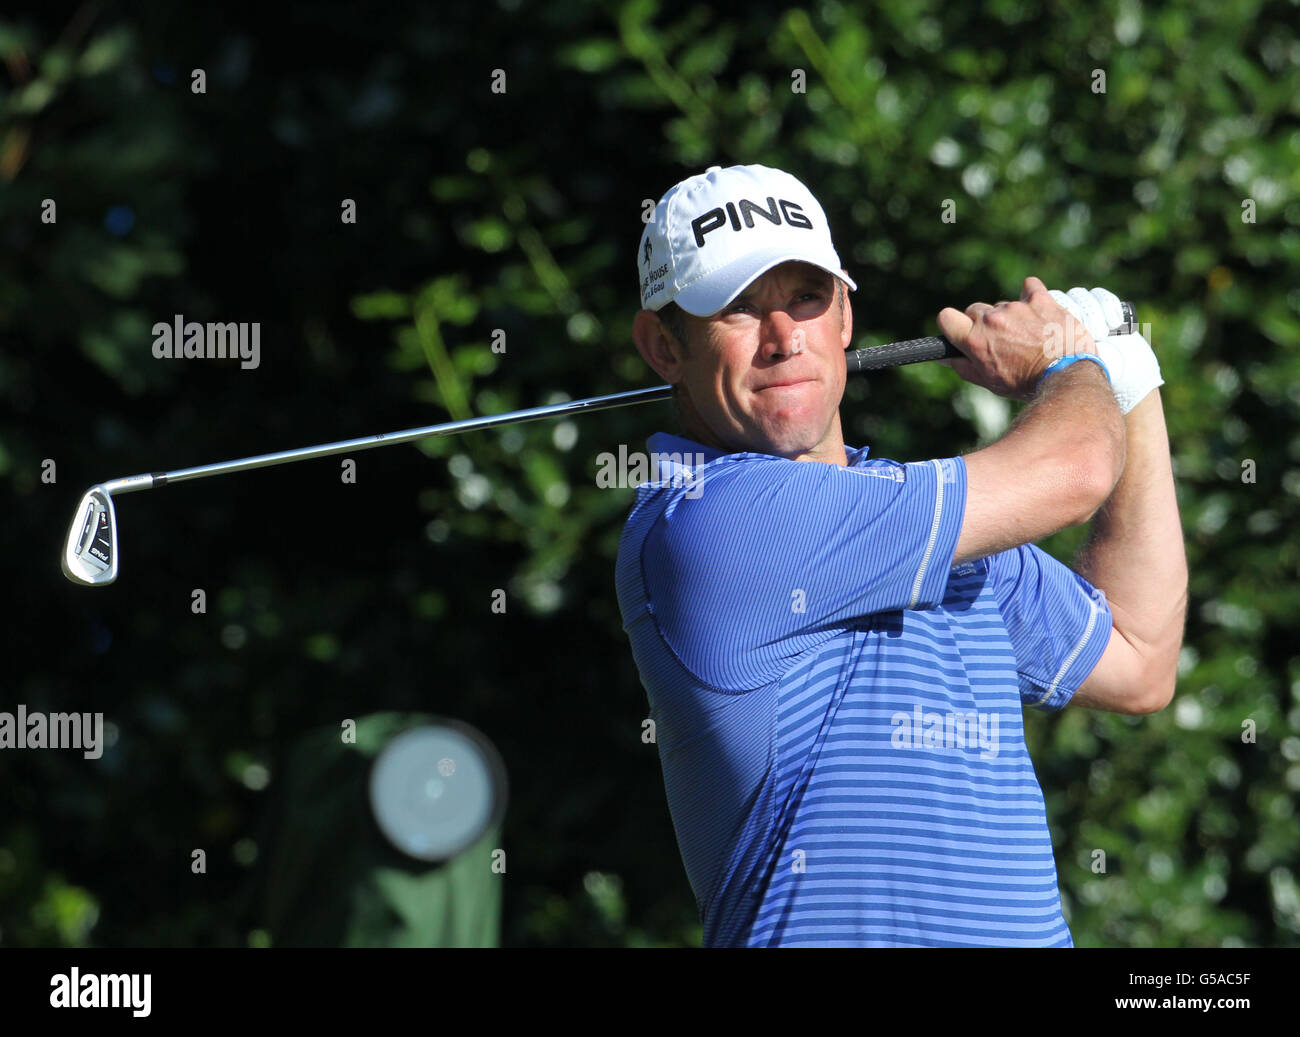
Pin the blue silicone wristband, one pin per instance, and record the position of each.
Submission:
(1066, 361)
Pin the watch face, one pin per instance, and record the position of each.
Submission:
(435, 790)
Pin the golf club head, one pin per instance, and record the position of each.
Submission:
(90, 556)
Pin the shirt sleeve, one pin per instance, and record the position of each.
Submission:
(1059, 623)
(772, 556)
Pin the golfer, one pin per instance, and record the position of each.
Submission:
(837, 647)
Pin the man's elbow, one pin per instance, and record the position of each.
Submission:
(1095, 473)
(1160, 673)
(1158, 690)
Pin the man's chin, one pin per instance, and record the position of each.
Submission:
(788, 445)
(793, 440)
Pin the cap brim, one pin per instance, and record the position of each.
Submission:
(714, 290)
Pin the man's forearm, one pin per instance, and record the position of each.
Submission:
(1135, 553)
(1051, 470)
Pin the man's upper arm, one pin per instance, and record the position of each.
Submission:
(769, 556)
(1059, 624)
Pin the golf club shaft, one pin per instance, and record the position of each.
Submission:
(132, 483)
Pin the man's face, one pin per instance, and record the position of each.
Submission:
(766, 374)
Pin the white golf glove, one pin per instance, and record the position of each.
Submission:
(1134, 370)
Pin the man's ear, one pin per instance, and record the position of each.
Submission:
(656, 346)
(846, 333)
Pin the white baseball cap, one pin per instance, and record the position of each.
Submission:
(714, 233)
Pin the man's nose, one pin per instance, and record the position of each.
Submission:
(782, 335)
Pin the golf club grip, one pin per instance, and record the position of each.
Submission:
(896, 354)
(934, 347)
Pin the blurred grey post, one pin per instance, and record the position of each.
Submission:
(335, 875)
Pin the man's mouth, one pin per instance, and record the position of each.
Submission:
(786, 384)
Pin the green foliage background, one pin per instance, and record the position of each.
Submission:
(480, 211)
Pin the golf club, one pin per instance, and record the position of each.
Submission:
(90, 555)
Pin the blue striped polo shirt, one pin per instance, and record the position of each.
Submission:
(838, 708)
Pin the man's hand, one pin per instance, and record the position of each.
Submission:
(1007, 347)
(1134, 369)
